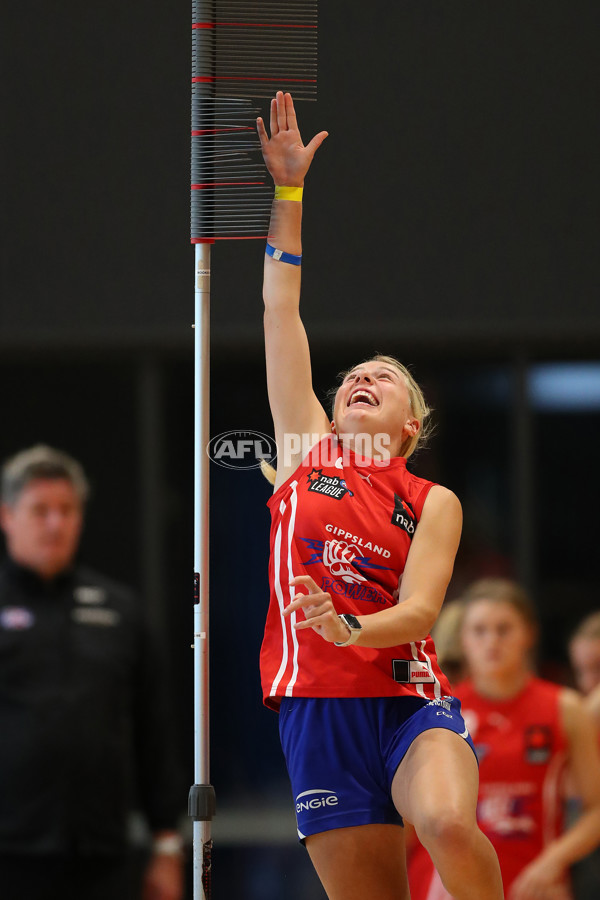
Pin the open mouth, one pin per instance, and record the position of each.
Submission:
(362, 396)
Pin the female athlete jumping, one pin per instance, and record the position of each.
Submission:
(361, 555)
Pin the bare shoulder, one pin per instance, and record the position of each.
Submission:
(441, 501)
(433, 549)
(570, 699)
(573, 710)
(440, 524)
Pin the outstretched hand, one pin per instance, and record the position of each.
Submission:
(286, 157)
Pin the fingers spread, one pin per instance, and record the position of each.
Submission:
(281, 113)
(317, 621)
(290, 111)
(306, 601)
(316, 142)
(306, 581)
(274, 125)
(262, 132)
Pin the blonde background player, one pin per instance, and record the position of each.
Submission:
(528, 734)
(584, 652)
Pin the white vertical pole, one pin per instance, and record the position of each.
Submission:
(202, 826)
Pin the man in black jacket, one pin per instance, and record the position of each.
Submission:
(84, 732)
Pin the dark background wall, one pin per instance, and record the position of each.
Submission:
(456, 194)
(450, 219)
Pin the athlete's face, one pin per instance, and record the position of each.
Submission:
(496, 639)
(43, 526)
(373, 399)
(585, 659)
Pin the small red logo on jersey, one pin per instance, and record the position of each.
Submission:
(538, 744)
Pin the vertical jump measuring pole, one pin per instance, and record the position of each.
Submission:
(249, 50)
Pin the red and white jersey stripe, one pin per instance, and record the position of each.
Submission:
(348, 522)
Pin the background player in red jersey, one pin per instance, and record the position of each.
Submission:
(526, 732)
(368, 727)
(584, 652)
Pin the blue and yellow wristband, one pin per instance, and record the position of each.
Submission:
(285, 192)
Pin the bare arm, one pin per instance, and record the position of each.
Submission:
(584, 764)
(550, 867)
(592, 704)
(426, 576)
(424, 582)
(294, 405)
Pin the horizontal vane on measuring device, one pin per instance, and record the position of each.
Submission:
(240, 51)
(231, 188)
(247, 49)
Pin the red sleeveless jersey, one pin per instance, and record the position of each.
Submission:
(347, 521)
(522, 748)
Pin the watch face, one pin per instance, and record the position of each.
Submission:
(352, 622)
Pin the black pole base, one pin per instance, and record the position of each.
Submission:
(202, 802)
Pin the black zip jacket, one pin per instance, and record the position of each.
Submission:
(84, 729)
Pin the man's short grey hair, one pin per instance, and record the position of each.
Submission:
(41, 462)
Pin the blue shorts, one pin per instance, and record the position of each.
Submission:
(342, 754)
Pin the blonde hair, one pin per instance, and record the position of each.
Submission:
(418, 407)
(446, 634)
(269, 471)
(501, 590)
(588, 628)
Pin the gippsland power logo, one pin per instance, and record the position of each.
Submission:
(241, 449)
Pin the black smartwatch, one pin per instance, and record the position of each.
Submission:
(355, 629)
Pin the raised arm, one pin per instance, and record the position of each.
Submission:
(294, 405)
